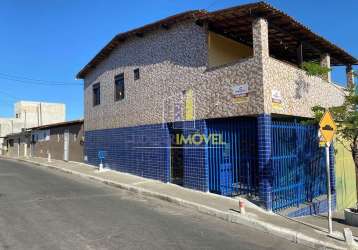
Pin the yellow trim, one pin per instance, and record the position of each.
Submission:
(223, 50)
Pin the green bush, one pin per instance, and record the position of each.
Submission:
(315, 69)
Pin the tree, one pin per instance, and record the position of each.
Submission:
(346, 117)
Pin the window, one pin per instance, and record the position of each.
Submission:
(17, 115)
(96, 94)
(136, 74)
(119, 87)
(11, 143)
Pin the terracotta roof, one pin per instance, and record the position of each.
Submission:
(285, 33)
(236, 22)
(60, 124)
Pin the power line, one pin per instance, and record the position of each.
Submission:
(28, 80)
(9, 96)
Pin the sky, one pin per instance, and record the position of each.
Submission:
(44, 43)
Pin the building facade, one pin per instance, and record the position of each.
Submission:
(60, 141)
(168, 100)
(17, 145)
(31, 114)
(34, 114)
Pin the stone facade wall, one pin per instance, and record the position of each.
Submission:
(299, 91)
(170, 62)
(175, 60)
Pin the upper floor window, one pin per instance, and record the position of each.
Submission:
(136, 74)
(119, 87)
(96, 94)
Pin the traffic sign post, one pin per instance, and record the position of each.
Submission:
(329, 199)
(328, 128)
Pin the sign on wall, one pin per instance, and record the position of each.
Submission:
(276, 100)
(189, 105)
(240, 93)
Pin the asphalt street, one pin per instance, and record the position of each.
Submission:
(46, 209)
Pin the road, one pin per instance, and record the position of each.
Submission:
(46, 209)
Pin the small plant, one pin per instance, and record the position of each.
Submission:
(315, 69)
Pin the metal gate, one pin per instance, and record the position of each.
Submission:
(232, 162)
(298, 167)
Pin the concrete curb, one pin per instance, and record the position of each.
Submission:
(269, 228)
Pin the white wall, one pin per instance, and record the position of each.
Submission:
(35, 114)
(32, 114)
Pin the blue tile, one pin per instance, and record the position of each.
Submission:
(141, 150)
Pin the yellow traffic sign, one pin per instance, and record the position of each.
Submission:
(327, 127)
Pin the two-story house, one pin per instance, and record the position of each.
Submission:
(197, 99)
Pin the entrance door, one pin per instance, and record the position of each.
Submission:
(66, 144)
(177, 157)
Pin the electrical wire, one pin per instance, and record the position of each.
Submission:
(9, 96)
(34, 81)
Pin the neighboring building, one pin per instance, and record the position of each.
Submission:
(18, 144)
(39, 113)
(30, 114)
(228, 87)
(62, 141)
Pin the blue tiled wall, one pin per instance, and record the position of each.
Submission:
(145, 151)
(141, 150)
(196, 170)
(264, 123)
(318, 207)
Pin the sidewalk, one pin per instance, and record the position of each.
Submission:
(212, 204)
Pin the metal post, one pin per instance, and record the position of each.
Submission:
(48, 156)
(329, 190)
(101, 166)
